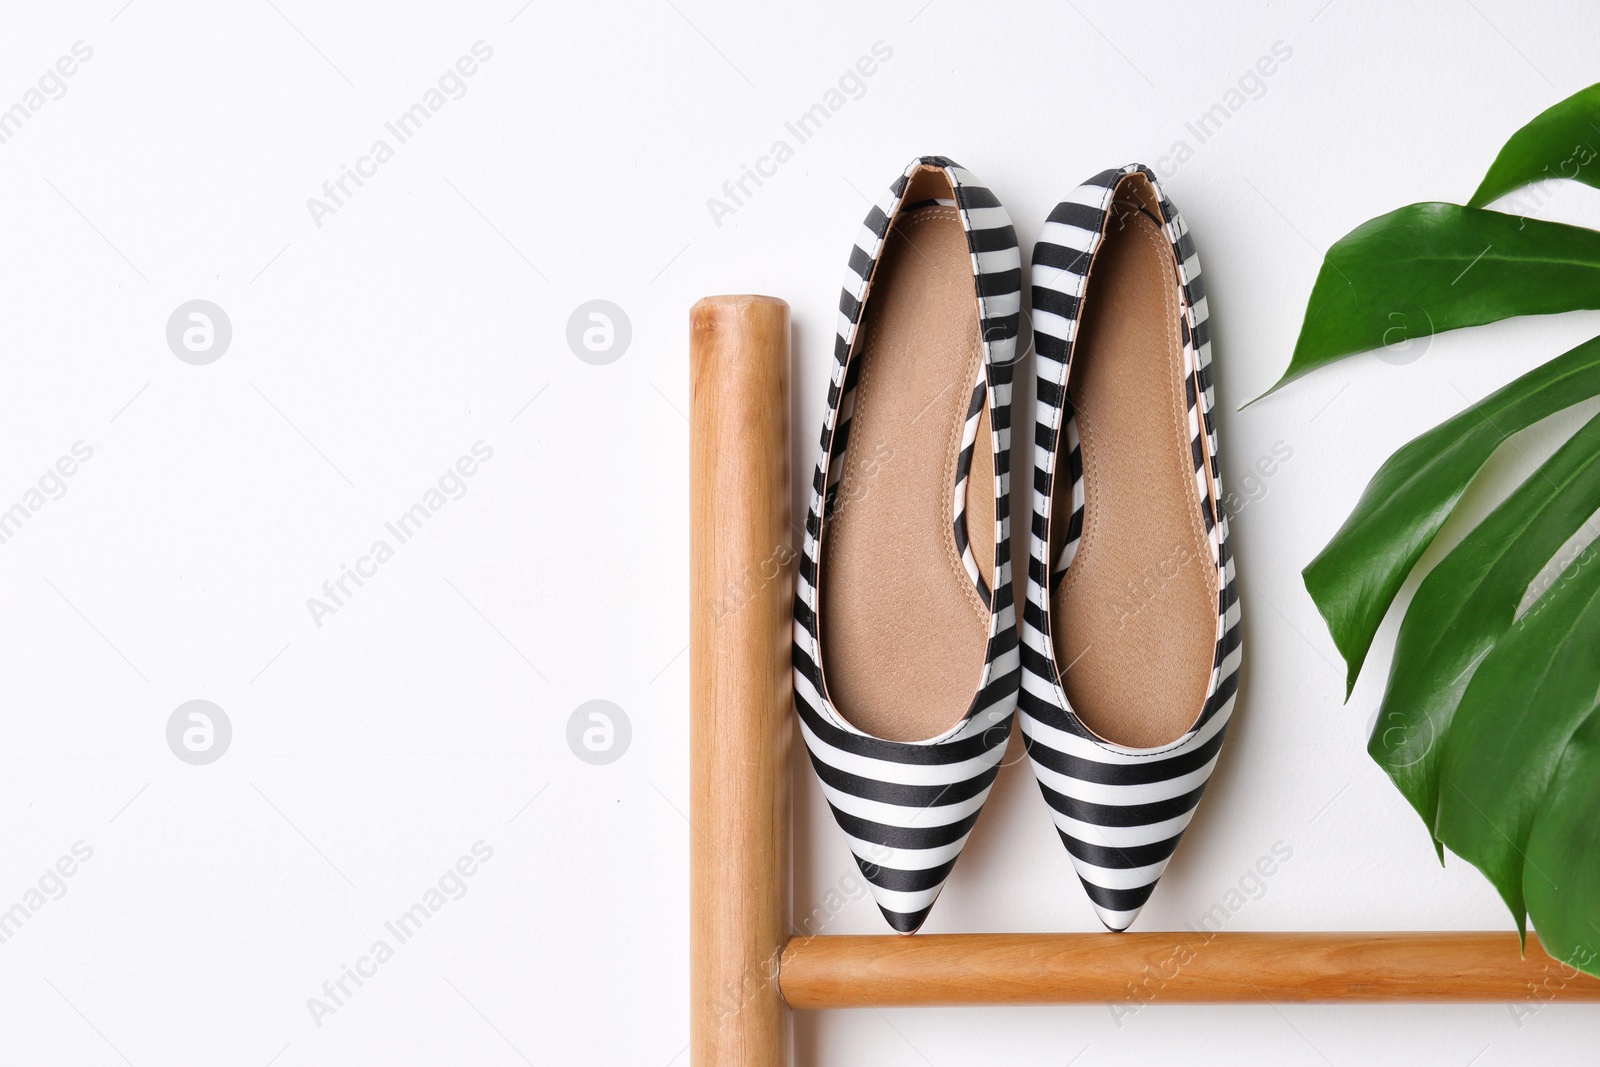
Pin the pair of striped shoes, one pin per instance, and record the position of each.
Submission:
(908, 668)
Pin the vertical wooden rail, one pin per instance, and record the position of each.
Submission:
(739, 634)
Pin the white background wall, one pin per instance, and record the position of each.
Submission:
(429, 312)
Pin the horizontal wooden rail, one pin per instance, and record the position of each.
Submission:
(1171, 968)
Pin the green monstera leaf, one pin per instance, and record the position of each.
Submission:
(1355, 578)
(1530, 696)
(1563, 142)
(1490, 722)
(1464, 606)
(1564, 844)
(1428, 268)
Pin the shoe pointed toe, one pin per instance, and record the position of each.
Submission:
(1118, 909)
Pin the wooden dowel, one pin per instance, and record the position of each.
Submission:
(1130, 970)
(739, 639)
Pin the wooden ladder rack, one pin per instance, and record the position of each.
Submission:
(746, 973)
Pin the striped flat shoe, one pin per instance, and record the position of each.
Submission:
(1130, 632)
(905, 640)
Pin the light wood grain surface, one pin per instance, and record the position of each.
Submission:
(739, 638)
(1185, 967)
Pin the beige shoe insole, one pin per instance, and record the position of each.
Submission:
(1134, 619)
(903, 632)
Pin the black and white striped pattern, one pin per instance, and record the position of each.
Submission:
(969, 442)
(907, 808)
(1069, 548)
(1120, 811)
